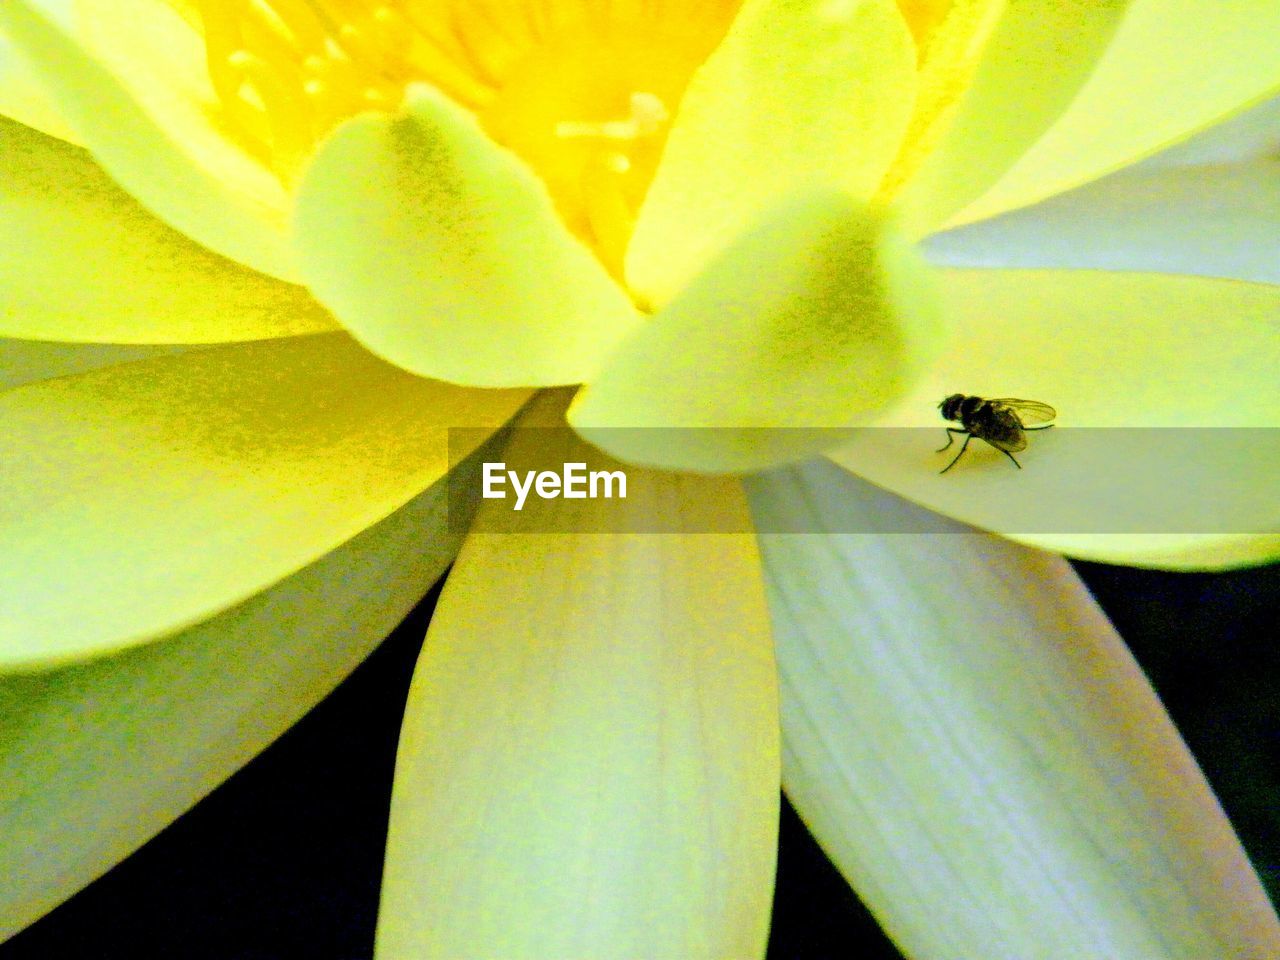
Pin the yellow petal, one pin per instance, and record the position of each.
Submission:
(131, 82)
(588, 764)
(818, 316)
(445, 255)
(1251, 135)
(92, 265)
(23, 98)
(143, 498)
(26, 361)
(1131, 353)
(974, 747)
(98, 758)
(1034, 60)
(801, 94)
(1220, 220)
(1168, 551)
(1170, 72)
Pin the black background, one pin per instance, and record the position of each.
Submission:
(284, 859)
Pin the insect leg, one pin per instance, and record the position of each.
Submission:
(951, 438)
(1010, 456)
(1042, 427)
(963, 447)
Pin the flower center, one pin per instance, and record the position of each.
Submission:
(923, 17)
(583, 90)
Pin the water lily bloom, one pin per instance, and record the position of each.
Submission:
(263, 254)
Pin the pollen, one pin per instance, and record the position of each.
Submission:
(584, 91)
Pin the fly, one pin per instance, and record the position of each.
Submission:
(1002, 422)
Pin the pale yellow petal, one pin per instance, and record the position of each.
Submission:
(92, 265)
(26, 361)
(1166, 451)
(142, 498)
(1171, 71)
(800, 95)
(818, 317)
(588, 765)
(98, 758)
(974, 747)
(23, 97)
(984, 111)
(445, 255)
(130, 80)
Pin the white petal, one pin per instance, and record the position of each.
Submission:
(1251, 135)
(973, 745)
(1216, 221)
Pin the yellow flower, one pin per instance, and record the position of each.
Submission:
(707, 214)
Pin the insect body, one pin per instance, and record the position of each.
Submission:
(1002, 422)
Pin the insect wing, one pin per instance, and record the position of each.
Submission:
(1003, 430)
(1028, 411)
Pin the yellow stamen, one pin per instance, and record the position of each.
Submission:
(648, 115)
(583, 90)
(284, 102)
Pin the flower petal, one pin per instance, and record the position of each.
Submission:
(1128, 352)
(588, 764)
(972, 744)
(1221, 221)
(801, 94)
(130, 81)
(1251, 135)
(95, 266)
(145, 497)
(23, 97)
(98, 758)
(1169, 65)
(815, 318)
(27, 361)
(1033, 60)
(446, 256)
